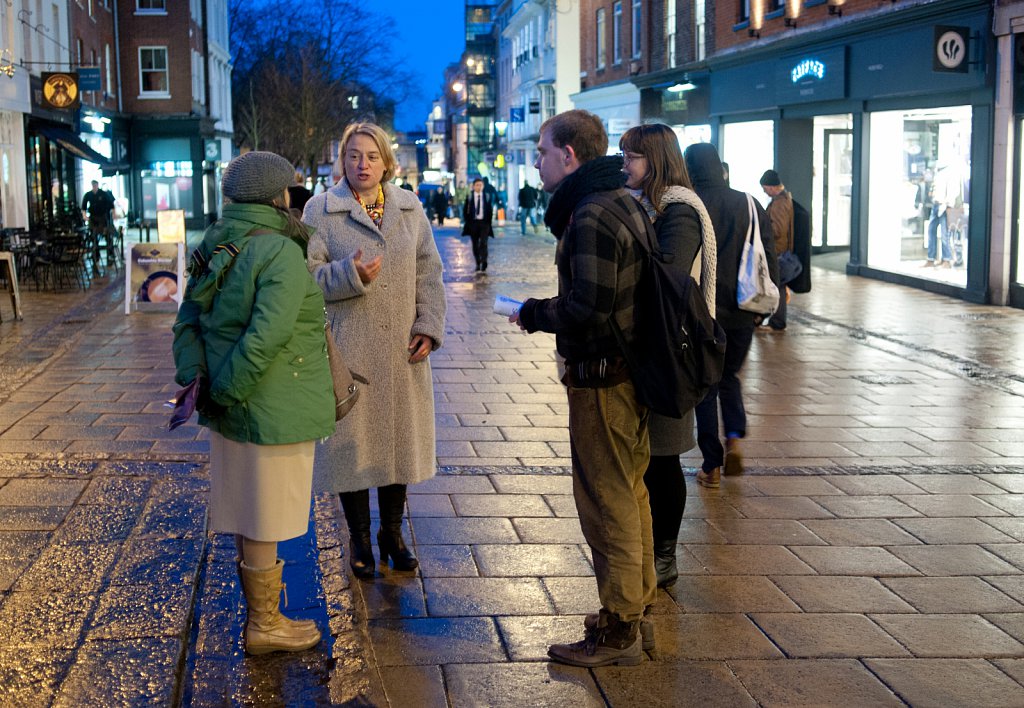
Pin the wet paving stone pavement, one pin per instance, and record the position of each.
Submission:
(872, 554)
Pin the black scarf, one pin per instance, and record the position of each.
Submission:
(600, 175)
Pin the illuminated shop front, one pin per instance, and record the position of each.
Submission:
(887, 148)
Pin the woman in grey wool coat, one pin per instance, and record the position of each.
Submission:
(374, 257)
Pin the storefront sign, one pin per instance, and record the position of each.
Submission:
(812, 77)
(155, 276)
(60, 90)
(89, 78)
(516, 114)
(950, 53)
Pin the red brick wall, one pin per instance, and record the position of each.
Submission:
(171, 31)
(727, 16)
(95, 32)
(588, 42)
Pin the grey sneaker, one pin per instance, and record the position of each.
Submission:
(602, 646)
(646, 630)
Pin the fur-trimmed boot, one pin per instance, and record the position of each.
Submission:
(266, 629)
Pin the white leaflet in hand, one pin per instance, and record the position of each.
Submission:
(506, 306)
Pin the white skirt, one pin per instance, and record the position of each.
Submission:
(262, 492)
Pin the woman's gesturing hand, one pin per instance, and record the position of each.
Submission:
(369, 270)
(420, 347)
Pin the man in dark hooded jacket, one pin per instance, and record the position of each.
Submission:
(599, 264)
(731, 217)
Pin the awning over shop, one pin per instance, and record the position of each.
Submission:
(77, 147)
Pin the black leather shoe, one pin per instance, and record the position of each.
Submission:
(665, 563)
(389, 539)
(360, 557)
(357, 516)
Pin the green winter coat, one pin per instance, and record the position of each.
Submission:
(256, 333)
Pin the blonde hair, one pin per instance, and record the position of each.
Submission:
(383, 141)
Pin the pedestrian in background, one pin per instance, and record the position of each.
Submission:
(527, 207)
(780, 214)
(656, 173)
(599, 261)
(730, 217)
(298, 195)
(374, 256)
(251, 324)
(477, 215)
(440, 202)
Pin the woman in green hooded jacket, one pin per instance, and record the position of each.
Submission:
(251, 325)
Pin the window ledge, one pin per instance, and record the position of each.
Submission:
(154, 96)
(740, 26)
(152, 13)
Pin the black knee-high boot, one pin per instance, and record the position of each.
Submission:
(357, 514)
(392, 505)
(667, 490)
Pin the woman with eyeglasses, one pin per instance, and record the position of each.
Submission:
(656, 174)
(373, 255)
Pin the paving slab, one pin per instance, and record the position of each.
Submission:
(929, 636)
(840, 594)
(679, 684)
(813, 682)
(962, 595)
(828, 635)
(514, 685)
(962, 683)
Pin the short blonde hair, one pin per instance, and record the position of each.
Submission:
(383, 141)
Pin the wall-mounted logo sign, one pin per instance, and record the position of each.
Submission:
(808, 67)
(950, 53)
(60, 90)
(516, 114)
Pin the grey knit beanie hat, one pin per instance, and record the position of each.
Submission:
(256, 177)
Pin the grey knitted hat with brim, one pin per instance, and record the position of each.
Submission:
(256, 177)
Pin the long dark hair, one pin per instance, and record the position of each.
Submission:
(665, 166)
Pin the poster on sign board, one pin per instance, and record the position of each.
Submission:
(155, 277)
(170, 226)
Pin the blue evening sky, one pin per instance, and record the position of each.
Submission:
(430, 35)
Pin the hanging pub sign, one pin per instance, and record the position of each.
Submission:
(950, 51)
(60, 90)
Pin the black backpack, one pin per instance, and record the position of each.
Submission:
(678, 349)
(802, 248)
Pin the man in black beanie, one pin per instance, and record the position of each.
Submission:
(780, 213)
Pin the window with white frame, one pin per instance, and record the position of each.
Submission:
(617, 33)
(600, 39)
(670, 33)
(151, 6)
(108, 64)
(637, 27)
(153, 78)
(699, 27)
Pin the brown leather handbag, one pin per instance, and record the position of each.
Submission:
(346, 390)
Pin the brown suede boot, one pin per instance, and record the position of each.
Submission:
(266, 629)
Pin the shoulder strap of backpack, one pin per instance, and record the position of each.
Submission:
(648, 241)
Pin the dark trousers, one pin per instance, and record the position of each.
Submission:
(667, 490)
(778, 318)
(729, 394)
(478, 234)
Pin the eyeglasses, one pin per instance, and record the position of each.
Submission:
(628, 157)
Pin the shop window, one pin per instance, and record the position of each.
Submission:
(167, 185)
(749, 148)
(919, 192)
(153, 71)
